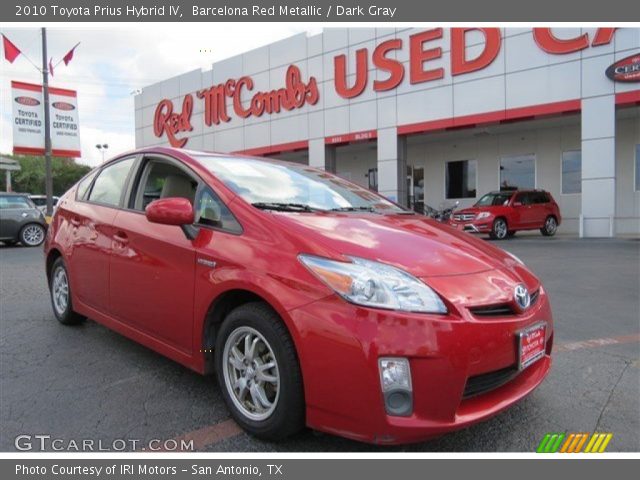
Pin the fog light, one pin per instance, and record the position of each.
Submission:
(395, 381)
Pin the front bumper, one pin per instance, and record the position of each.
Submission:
(474, 226)
(339, 345)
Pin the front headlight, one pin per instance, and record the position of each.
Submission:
(482, 215)
(375, 284)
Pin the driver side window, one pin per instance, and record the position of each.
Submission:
(163, 180)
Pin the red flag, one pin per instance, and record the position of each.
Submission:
(51, 66)
(11, 52)
(69, 56)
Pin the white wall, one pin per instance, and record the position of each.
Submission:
(627, 198)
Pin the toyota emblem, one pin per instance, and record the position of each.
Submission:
(521, 296)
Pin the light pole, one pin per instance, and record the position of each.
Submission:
(102, 148)
(48, 178)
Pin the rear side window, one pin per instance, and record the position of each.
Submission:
(11, 201)
(537, 197)
(108, 187)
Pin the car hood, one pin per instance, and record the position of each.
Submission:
(474, 210)
(416, 244)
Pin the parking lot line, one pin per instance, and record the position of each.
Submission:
(212, 434)
(597, 342)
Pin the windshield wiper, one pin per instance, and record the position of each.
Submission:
(353, 209)
(284, 206)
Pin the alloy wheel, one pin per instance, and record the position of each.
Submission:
(251, 373)
(500, 229)
(33, 235)
(60, 290)
(551, 225)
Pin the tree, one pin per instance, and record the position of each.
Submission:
(30, 177)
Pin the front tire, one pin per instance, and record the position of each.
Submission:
(61, 294)
(259, 374)
(32, 235)
(499, 231)
(550, 226)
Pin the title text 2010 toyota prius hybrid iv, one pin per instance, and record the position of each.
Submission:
(314, 300)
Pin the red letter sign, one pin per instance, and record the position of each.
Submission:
(362, 73)
(459, 62)
(394, 67)
(420, 56)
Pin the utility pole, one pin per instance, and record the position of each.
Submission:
(47, 126)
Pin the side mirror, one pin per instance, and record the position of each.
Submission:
(170, 211)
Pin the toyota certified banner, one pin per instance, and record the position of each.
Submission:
(28, 120)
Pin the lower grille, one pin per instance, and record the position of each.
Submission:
(488, 381)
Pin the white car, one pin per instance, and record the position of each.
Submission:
(41, 202)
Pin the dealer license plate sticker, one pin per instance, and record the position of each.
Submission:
(531, 345)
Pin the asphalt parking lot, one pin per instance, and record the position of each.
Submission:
(87, 382)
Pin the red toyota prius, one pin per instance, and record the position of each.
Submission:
(315, 302)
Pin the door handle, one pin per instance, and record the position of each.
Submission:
(121, 237)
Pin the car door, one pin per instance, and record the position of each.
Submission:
(539, 209)
(90, 223)
(152, 266)
(522, 210)
(11, 211)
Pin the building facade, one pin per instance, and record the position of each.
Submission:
(430, 115)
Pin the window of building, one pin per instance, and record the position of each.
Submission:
(460, 179)
(517, 172)
(572, 172)
(108, 187)
(638, 167)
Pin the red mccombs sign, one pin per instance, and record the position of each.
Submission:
(297, 92)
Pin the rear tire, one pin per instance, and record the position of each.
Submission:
(550, 226)
(267, 402)
(32, 235)
(60, 290)
(499, 231)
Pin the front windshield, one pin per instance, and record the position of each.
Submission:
(494, 199)
(279, 183)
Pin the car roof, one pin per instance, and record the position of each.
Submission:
(177, 152)
(14, 194)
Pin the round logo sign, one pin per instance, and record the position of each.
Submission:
(625, 70)
(522, 297)
(28, 101)
(63, 106)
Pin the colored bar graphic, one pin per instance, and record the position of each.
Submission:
(574, 442)
(543, 443)
(582, 441)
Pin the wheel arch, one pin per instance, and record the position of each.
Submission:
(52, 256)
(220, 307)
